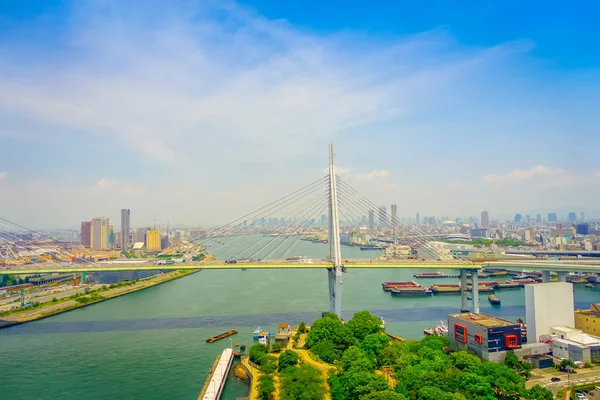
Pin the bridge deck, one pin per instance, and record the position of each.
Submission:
(570, 265)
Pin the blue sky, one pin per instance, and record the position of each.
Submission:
(201, 111)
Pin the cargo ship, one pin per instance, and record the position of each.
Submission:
(221, 336)
(434, 275)
(412, 291)
(496, 272)
(387, 286)
(485, 283)
(493, 299)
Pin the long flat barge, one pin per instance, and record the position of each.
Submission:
(221, 336)
(387, 286)
(435, 275)
(213, 387)
(411, 291)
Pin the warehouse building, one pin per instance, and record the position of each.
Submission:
(487, 336)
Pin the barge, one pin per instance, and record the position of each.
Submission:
(494, 300)
(411, 291)
(455, 289)
(507, 285)
(435, 275)
(221, 336)
(387, 286)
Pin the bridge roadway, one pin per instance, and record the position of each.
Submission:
(566, 266)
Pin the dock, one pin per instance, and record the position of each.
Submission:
(213, 387)
(221, 336)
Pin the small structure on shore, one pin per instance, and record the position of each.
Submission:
(283, 332)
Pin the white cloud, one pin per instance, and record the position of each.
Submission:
(224, 78)
(115, 186)
(544, 176)
(3, 175)
(375, 174)
(350, 174)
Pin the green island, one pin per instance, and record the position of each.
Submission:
(357, 360)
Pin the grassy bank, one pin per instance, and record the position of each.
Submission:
(106, 292)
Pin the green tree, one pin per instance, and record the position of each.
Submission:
(384, 395)
(539, 393)
(303, 382)
(465, 360)
(337, 390)
(363, 324)
(326, 352)
(287, 358)
(258, 354)
(506, 383)
(474, 386)
(433, 393)
(266, 387)
(302, 327)
(355, 358)
(373, 346)
(276, 347)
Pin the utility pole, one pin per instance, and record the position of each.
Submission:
(335, 255)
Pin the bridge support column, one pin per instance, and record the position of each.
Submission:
(335, 291)
(335, 253)
(475, 290)
(464, 299)
(545, 276)
(562, 276)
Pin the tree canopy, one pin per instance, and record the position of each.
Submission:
(424, 369)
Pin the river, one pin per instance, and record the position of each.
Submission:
(151, 344)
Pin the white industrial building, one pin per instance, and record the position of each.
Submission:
(548, 305)
(572, 344)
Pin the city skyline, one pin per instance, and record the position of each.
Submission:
(219, 109)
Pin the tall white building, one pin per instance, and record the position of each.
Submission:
(548, 305)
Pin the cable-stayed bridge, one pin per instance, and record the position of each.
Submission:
(269, 238)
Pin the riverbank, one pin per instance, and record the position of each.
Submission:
(103, 293)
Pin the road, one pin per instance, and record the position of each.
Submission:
(582, 376)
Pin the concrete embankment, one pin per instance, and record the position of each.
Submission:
(50, 308)
(213, 387)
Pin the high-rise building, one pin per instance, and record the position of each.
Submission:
(394, 214)
(111, 235)
(552, 217)
(485, 219)
(86, 232)
(383, 221)
(582, 217)
(538, 219)
(371, 219)
(140, 235)
(153, 240)
(572, 217)
(323, 220)
(125, 226)
(582, 229)
(418, 218)
(517, 218)
(99, 234)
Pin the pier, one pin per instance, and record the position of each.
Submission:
(213, 387)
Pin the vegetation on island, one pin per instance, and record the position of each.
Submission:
(358, 352)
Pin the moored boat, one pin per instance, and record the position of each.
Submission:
(440, 330)
(435, 275)
(493, 299)
(412, 291)
(387, 286)
(256, 333)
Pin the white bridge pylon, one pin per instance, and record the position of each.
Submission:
(335, 255)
